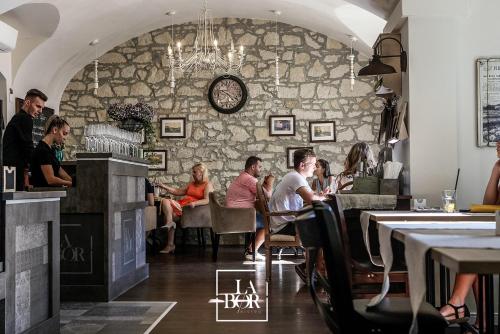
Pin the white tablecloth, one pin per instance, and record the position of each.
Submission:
(417, 244)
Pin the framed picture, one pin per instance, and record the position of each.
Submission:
(157, 158)
(173, 127)
(289, 155)
(322, 131)
(488, 101)
(282, 125)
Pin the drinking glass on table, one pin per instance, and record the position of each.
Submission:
(448, 198)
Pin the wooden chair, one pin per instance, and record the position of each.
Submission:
(229, 220)
(366, 278)
(273, 240)
(342, 313)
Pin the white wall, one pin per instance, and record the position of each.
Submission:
(6, 78)
(443, 44)
(479, 37)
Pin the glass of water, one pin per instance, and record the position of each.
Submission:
(449, 200)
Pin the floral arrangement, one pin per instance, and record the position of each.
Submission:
(139, 112)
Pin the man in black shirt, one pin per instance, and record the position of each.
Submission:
(18, 136)
(46, 170)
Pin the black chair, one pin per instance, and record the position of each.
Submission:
(341, 313)
(366, 278)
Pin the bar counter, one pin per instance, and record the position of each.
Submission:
(103, 251)
(30, 282)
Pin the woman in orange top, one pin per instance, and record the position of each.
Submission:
(195, 193)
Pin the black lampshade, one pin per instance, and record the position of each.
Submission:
(376, 67)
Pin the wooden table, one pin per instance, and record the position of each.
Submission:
(387, 216)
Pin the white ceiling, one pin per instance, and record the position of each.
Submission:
(53, 38)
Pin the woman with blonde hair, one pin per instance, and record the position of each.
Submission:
(359, 152)
(195, 194)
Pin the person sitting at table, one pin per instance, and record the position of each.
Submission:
(291, 194)
(241, 194)
(455, 311)
(323, 181)
(46, 170)
(359, 152)
(195, 194)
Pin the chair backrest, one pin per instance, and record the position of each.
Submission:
(215, 210)
(262, 206)
(230, 220)
(341, 222)
(320, 229)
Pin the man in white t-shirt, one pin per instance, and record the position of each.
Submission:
(293, 191)
(291, 194)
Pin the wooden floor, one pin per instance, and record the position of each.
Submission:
(189, 279)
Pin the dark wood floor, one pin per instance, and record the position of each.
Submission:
(189, 279)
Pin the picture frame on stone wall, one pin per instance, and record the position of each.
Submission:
(322, 131)
(173, 127)
(157, 159)
(289, 154)
(282, 125)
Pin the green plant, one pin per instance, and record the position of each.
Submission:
(150, 134)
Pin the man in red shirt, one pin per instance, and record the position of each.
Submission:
(241, 194)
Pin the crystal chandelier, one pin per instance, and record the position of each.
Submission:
(206, 54)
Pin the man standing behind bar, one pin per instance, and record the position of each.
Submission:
(18, 137)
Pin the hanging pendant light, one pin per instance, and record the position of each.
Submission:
(352, 76)
(276, 56)
(96, 65)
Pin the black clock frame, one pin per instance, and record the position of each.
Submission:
(244, 94)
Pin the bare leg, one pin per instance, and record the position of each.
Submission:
(259, 239)
(169, 222)
(463, 284)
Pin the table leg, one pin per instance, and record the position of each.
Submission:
(448, 292)
(442, 285)
(498, 309)
(480, 307)
(490, 309)
(431, 293)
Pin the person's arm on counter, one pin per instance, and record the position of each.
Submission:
(63, 180)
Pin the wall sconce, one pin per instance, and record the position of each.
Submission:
(376, 67)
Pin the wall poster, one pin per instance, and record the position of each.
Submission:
(488, 101)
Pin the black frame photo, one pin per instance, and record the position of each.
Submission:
(282, 125)
(289, 154)
(322, 131)
(174, 127)
(162, 165)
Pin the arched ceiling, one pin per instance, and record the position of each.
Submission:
(52, 63)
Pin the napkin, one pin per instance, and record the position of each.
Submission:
(392, 169)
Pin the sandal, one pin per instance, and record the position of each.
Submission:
(467, 328)
(455, 318)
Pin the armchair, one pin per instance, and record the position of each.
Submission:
(229, 220)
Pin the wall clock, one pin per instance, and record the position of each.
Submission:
(227, 94)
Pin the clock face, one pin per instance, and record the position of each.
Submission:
(227, 94)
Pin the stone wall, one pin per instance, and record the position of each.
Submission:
(314, 81)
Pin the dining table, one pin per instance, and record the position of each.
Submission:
(431, 233)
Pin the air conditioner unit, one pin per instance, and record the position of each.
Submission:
(8, 37)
